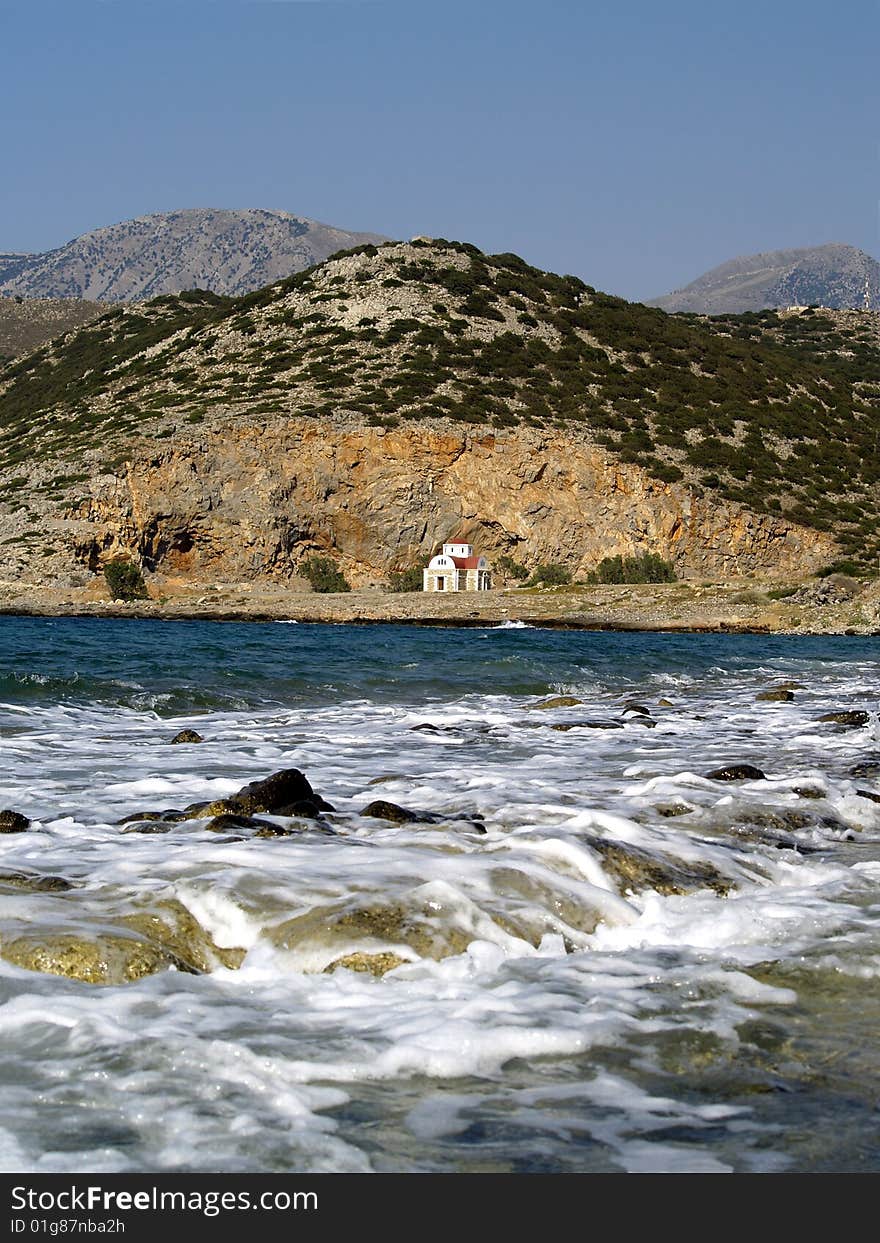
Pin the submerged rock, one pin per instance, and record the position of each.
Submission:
(736, 772)
(102, 958)
(228, 822)
(852, 718)
(187, 735)
(13, 822)
(141, 815)
(32, 882)
(379, 809)
(557, 701)
(372, 964)
(170, 925)
(121, 948)
(637, 869)
(326, 934)
(867, 767)
(779, 695)
(869, 794)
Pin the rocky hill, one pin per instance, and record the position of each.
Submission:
(229, 252)
(28, 323)
(833, 276)
(396, 396)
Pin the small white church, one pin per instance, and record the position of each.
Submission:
(457, 568)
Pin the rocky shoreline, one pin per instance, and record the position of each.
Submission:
(815, 606)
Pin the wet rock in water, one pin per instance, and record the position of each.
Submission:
(285, 793)
(141, 815)
(13, 822)
(326, 934)
(636, 869)
(808, 791)
(672, 809)
(187, 735)
(370, 964)
(426, 727)
(227, 822)
(778, 695)
(775, 829)
(789, 686)
(379, 809)
(736, 772)
(646, 721)
(32, 882)
(640, 709)
(378, 781)
(557, 701)
(149, 827)
(852, 719)
(100, 958)
(171, 927)
(867, 767)
(869, 794)
(562, 727)
(665, 703)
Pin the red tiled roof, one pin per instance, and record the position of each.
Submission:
(466, 563)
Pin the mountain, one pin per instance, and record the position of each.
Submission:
(27, 323)
(396, 396)
(835, 276)
(228, 252)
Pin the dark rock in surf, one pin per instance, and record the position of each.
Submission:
(285, 793)
(808, 791)
(852, 719)
(32, 882)
(736, 772)
(779, 695)
(869, 794)
(187, 735)
(636, 869)
(13, 822)
(227, 822)
(382, 810)
(867, 767)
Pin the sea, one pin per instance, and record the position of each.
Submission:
(631, 921)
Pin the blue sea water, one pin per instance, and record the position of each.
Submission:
(634, 967)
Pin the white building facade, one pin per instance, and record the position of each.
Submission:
(457, 568)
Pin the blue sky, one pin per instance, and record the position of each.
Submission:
(634, 144)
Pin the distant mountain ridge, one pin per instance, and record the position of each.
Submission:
(225, 251)
(834, 275)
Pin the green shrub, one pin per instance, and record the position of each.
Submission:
(550, 574)
(125, 580)
(324, 574)
(406, 580)
(513, 569)
(647, 568)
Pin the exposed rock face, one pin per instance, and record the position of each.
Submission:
(229, 252)
(244, 501)
(833, 275)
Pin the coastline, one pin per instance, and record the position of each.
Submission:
(740, 606)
